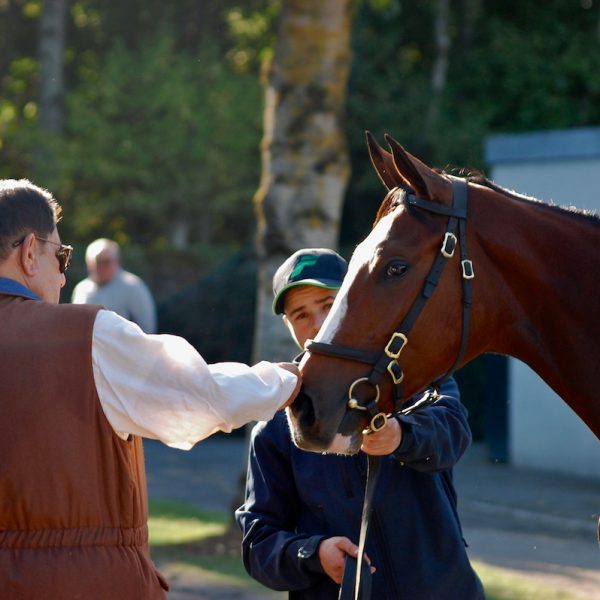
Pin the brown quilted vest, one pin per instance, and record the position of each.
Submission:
(73, 500)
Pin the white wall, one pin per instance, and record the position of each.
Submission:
(544, 432)
(565, 182)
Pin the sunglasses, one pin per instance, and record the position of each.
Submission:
(63, 254)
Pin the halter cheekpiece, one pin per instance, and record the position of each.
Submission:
(388, 360)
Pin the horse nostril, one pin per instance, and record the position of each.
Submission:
(303, 408)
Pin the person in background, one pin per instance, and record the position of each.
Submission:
(114, 288)
(302, 513)
(79, 386)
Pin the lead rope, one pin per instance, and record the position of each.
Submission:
(356, 584)
(457, 220)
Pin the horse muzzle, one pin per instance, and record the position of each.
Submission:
(337, 431)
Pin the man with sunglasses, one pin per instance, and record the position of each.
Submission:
(79, 385)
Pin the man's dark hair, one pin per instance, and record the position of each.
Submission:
(25, 208)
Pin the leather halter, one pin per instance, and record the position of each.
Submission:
(387, 361)
(356, 583)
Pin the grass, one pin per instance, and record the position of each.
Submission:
(173, 523)
(177, 530)
(503, 584)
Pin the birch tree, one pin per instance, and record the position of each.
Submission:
(305, 163)
(439, 72)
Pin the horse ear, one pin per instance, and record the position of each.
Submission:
(421, 178)
(383, 161)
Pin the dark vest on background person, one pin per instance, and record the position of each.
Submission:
(73, 500)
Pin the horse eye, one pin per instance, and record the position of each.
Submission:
(396, 269)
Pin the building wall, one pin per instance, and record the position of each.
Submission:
(562, 167)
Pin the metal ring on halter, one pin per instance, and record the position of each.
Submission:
(353, 402)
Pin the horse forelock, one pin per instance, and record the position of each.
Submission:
(362, 256)
(393, 199)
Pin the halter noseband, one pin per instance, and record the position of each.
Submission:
(387, 361)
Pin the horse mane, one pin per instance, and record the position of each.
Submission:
(393, 197)
(570, 210)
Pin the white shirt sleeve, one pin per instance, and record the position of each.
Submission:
(158, 386)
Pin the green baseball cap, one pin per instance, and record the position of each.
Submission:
(319, 267)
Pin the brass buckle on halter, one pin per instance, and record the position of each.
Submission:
(467, 269)
(394, 337)
(393, 368)
(353, 402)
(378, 422)
(449, 245)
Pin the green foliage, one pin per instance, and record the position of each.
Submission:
(512, 66)
(18, 112)
(253, 32)
(163, 146)
(163, 106)
(539, 69)
(97, 23)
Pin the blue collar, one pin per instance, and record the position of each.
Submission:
(11, 287)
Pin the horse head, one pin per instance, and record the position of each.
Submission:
(386, 277)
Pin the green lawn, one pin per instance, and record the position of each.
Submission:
(173, 523)
(175, 527)
(502, 584)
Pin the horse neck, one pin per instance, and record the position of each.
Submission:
(539, 266)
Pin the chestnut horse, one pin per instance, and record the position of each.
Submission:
(477, 269)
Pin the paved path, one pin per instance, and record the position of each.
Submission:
(207, 476)
(538, 524)
(535, 523)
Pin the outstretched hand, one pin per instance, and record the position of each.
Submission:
(292, 368)
(384, 441)
(332, 554)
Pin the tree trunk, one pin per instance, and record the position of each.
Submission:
(305, 162)
(440, 66)
(51, 52)
(469, 17)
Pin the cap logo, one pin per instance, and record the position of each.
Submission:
(305, 261)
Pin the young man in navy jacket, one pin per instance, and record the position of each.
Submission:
(302, 511)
